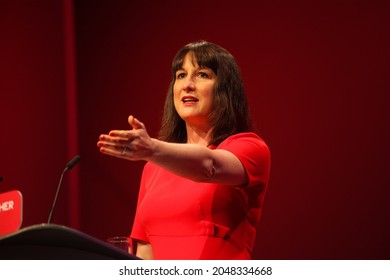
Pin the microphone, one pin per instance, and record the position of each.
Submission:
(72, 163)
(69, 166)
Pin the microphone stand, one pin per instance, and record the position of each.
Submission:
(69, 166)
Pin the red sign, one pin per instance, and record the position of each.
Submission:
(11, 212)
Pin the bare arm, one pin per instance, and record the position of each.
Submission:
(199, 163)
(191, 161)
(144, 251)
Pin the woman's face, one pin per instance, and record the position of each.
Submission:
(193, 92)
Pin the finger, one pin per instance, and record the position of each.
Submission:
(114, 142)
(124, 153)
(113, 149)
(114, 135)
(135, 123)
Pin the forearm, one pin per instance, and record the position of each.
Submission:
(191, 161)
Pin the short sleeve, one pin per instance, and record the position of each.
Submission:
(253, 153)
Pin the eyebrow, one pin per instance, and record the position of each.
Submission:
(199, 67)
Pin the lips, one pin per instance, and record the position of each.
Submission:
(189, 99)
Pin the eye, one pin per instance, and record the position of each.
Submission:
(180, 75)
(203, 74)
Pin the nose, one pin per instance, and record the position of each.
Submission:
(188, 84)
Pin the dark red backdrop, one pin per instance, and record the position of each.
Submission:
(316, 74)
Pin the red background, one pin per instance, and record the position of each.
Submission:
(316, 74)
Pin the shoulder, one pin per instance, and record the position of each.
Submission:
(245, 140)
(253, 153)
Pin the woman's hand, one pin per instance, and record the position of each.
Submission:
(135, 144)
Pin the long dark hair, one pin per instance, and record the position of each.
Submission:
(230, 113)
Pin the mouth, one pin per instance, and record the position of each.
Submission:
(189, 99)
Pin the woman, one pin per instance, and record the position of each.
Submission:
(206, 175)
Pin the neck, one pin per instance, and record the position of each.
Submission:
(197, 135)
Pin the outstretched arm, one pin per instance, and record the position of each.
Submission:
(191, 161)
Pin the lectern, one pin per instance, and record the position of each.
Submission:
(56, 242)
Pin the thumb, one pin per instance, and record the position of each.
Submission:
(135, 123)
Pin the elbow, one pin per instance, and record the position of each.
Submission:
(206, 174)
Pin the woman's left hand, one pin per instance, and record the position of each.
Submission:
(135, 144)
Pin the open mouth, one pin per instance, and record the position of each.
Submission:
(189, 99)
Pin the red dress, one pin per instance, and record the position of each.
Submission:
(183, 219)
